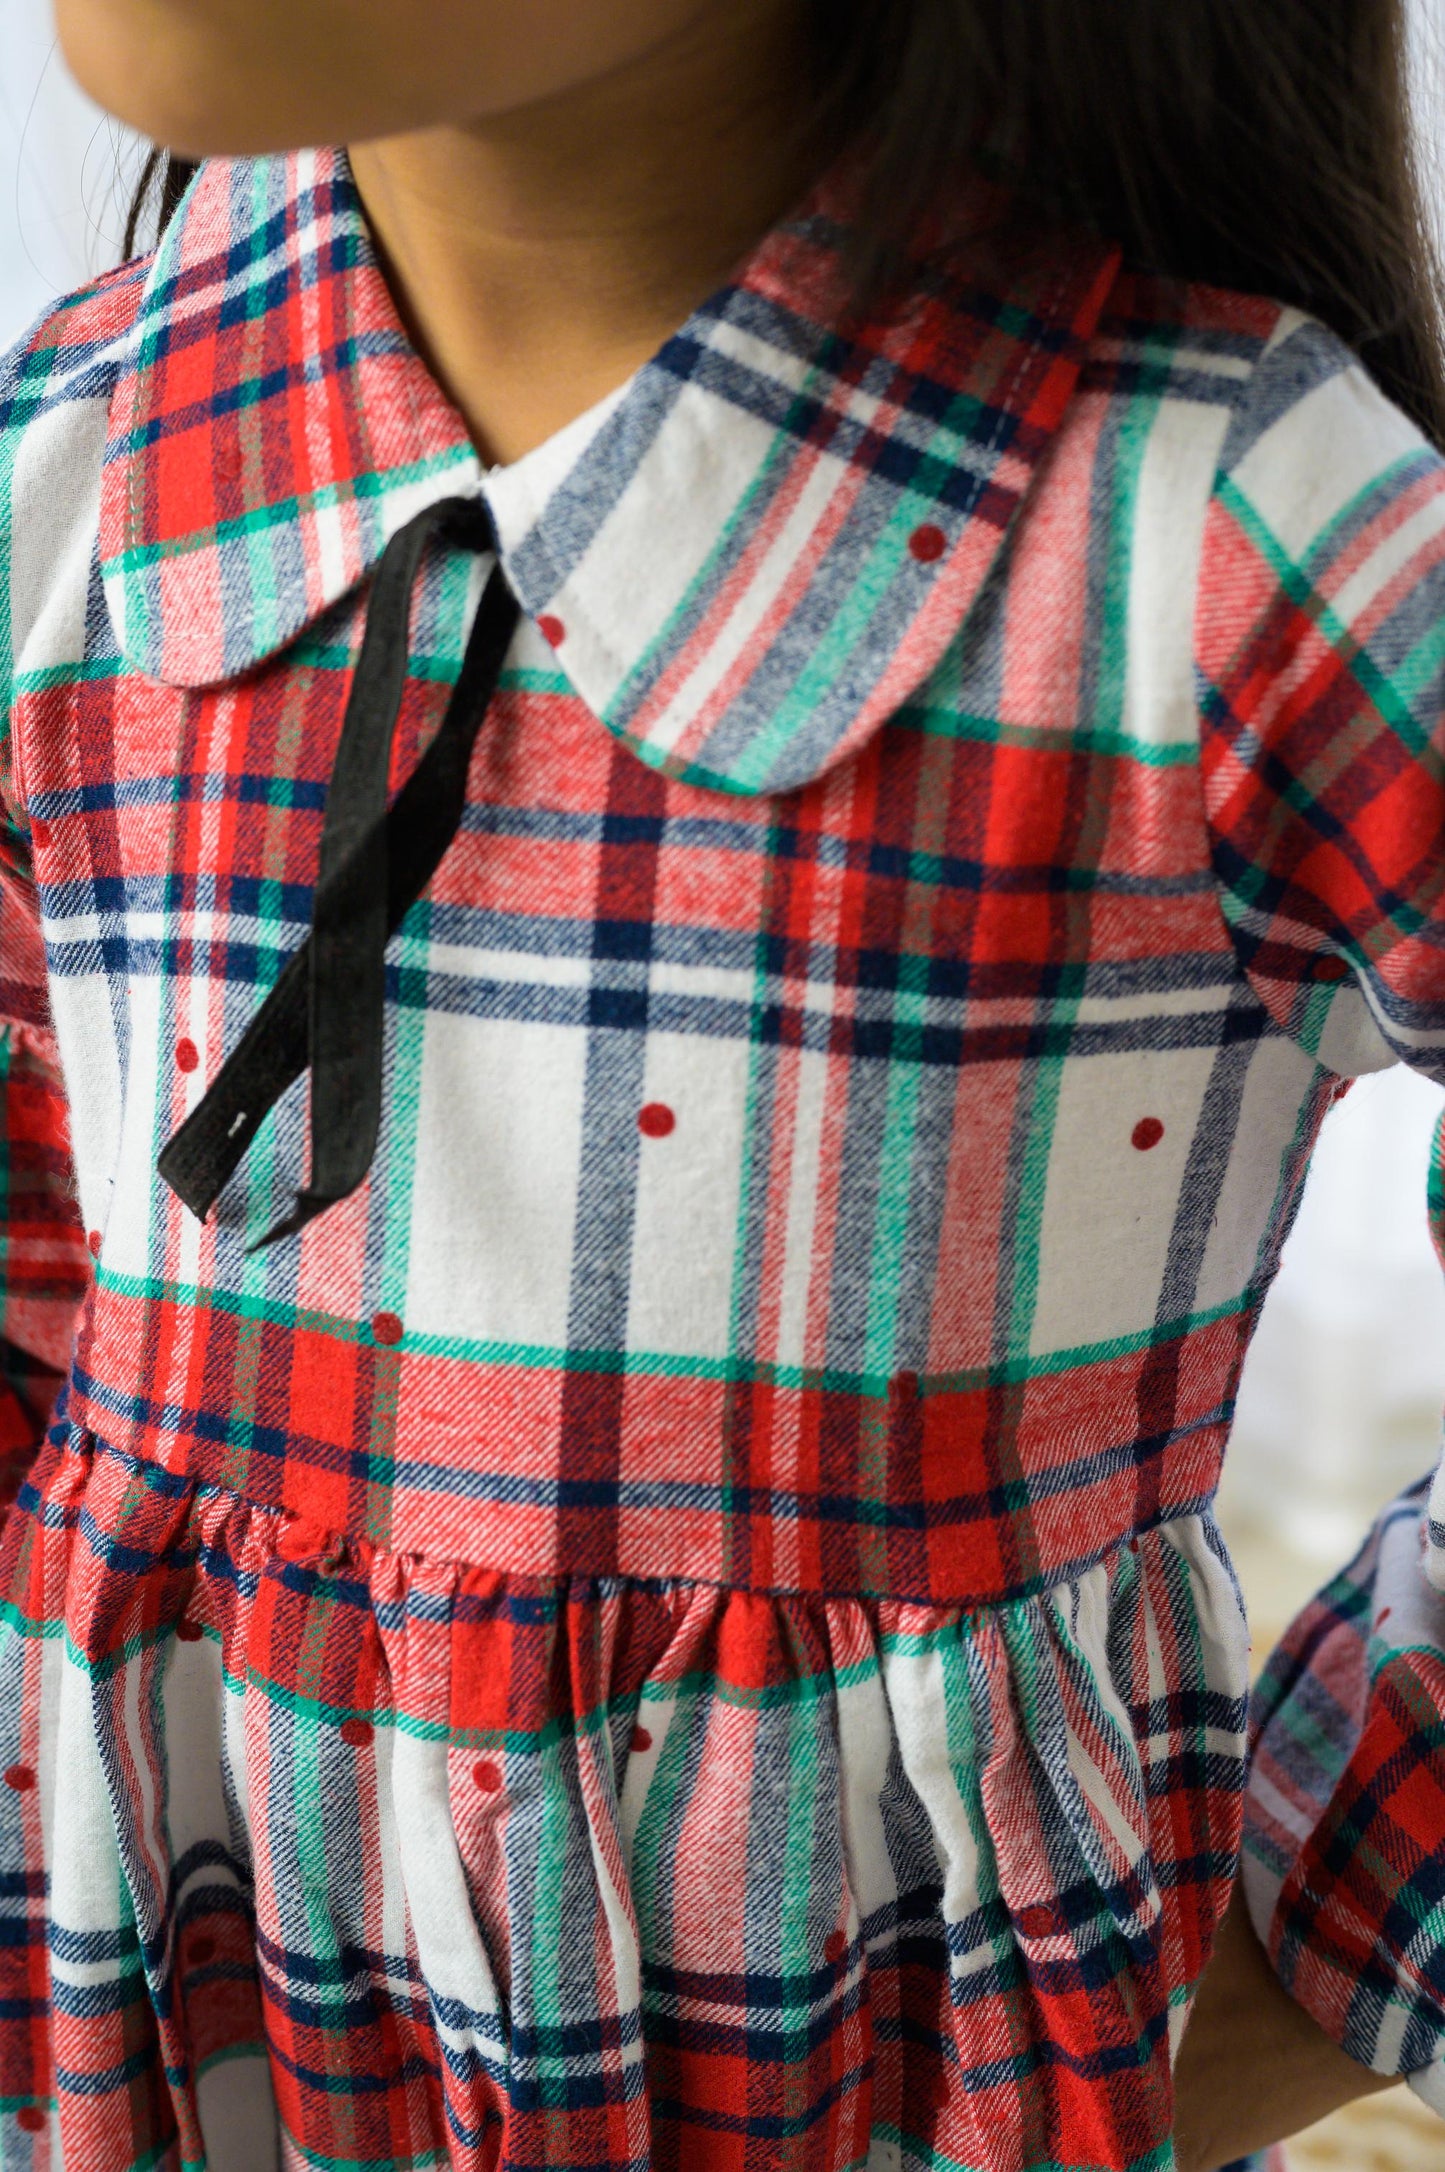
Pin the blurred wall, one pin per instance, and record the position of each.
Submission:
(60, 170)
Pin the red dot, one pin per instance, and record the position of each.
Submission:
(1383, 1616)
(20, 1777)
(189, 1632)
(552, 629)
(928, 543)
(201, 1950)
(656, 1120)
(93, 1240)
(1146, 1133)
(187, 1055)
(1037, 1921)
(30, 2117)
(1331, 968)
(486, 1774)
(356, 1732)
(386, 1327)
(641, 1739)
(836, 1946)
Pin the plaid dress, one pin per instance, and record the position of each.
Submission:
(680, 1625)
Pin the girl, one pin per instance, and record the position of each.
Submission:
(713, 754)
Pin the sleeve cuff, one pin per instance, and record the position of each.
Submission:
(1344, 1830)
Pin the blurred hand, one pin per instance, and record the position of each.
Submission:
(1253, 2068)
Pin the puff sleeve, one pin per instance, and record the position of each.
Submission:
(1320, 658)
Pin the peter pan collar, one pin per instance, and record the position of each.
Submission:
(746, 557)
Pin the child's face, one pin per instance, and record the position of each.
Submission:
(244, 76)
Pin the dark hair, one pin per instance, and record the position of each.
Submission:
(1264, 145)
(164, 177)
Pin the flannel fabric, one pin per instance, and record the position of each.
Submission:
(681, 1624)
(1350, 1715)
(46, 1265)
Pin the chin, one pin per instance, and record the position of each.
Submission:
(182, 80)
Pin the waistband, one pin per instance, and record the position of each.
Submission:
(951, 1490)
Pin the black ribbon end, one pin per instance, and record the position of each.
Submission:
(306, 1209)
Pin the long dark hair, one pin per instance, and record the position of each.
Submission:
(163, 181)
(1264, 145)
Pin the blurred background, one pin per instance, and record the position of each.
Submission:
(1345, 1385)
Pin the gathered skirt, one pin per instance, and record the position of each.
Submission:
(314, 1855)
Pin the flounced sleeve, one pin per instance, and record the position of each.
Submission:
(1320, 651)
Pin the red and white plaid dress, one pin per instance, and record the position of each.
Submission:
(680, 1625)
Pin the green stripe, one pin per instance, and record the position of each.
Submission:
(668, 1365)
(807, 1822)
(551, 2062)
(1300, 587)
(659, 1821)
(428, 2161)
(930, 714)
(287, 511)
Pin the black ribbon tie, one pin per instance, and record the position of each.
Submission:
(327, 1008)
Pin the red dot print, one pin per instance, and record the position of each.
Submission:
(641, 1739)
(93, 1240)
(1331, 968)
(187, 1055)
(656, 1120)
(201, 1950)
(20, 1777)
(356, 1732)
(189, 1632)
(386, 1327)
(30, 2117)
(928, 543)
(835, 1947)
(552, 629)
(1146, 1133)
(487, 1775)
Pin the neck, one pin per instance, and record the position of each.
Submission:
(540, 257)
